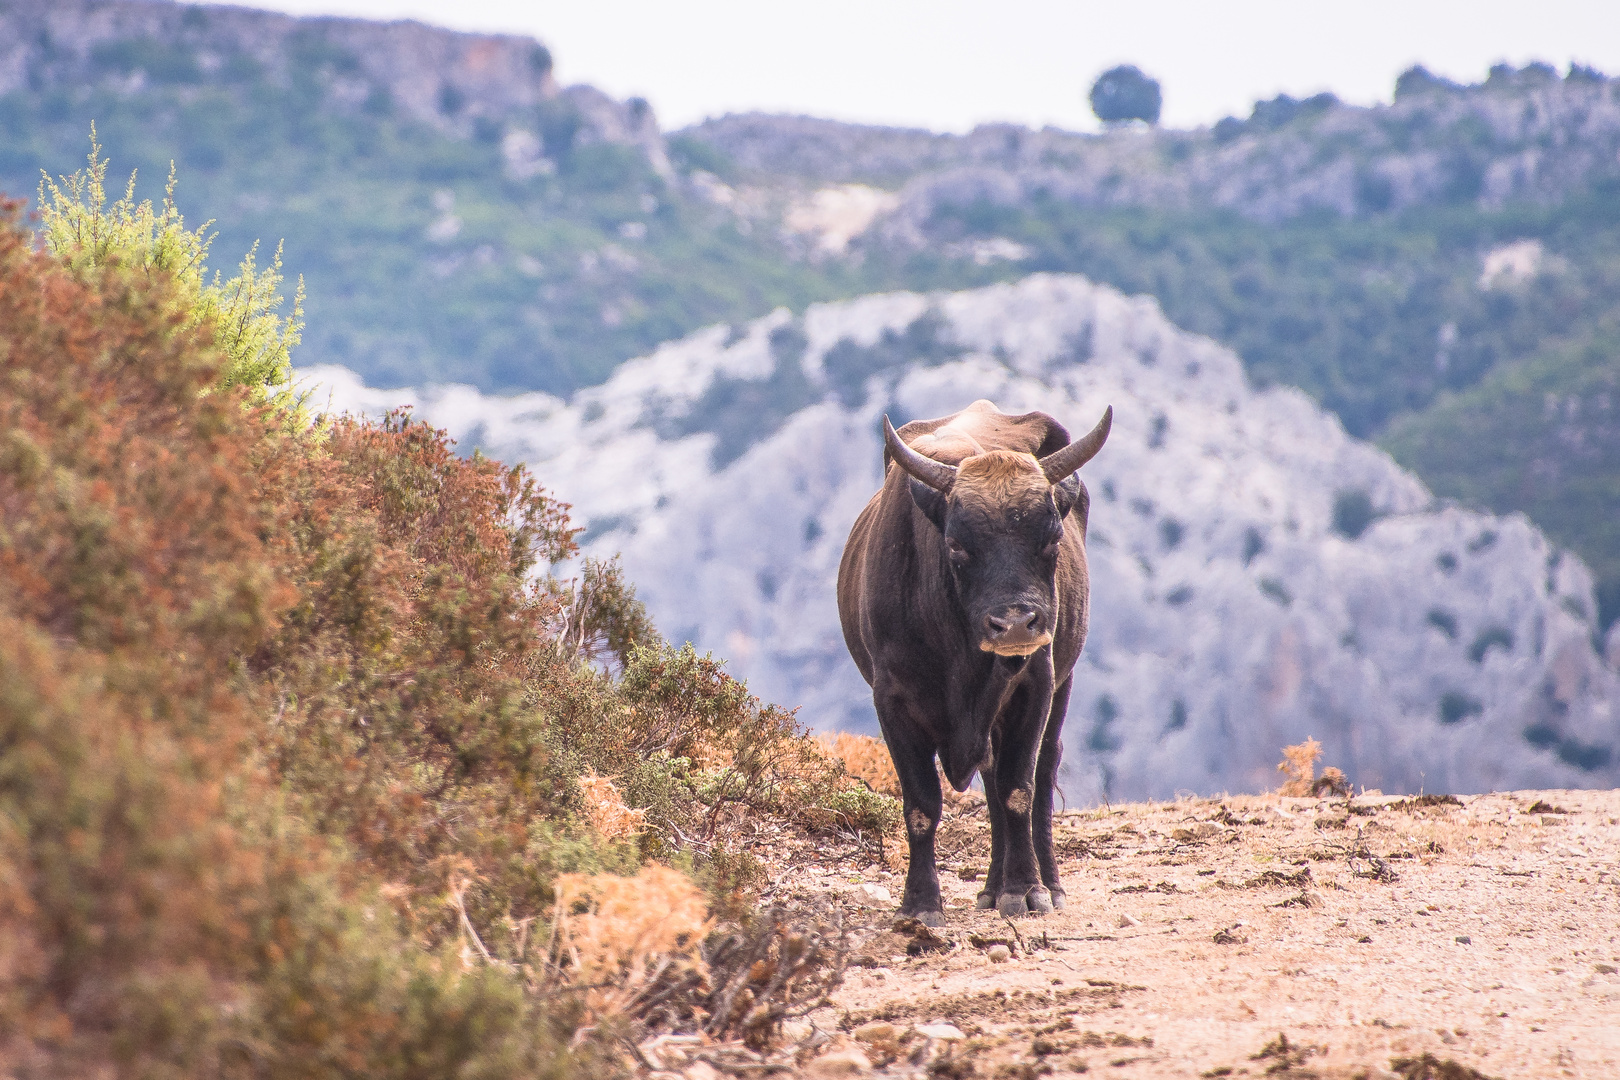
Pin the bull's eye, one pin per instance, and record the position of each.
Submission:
(956, 551)
(1051, 549)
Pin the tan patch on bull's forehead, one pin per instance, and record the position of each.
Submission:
(1003, 478)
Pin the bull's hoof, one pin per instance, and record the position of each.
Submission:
(1060, 899)
(1035, 902)
(985, 901)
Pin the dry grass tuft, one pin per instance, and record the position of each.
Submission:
(1299, 763)
(1331, 782)
(783, 964)
(866, 759)
(617, 937)
(643, 953)
(605, 809)
(1429, 1067)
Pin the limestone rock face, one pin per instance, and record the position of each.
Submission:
(1258, 576)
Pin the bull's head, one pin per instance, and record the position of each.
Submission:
(1002, 515)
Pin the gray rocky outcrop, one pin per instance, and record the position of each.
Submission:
(451, 81)
(1525, 135)
(1259, 576)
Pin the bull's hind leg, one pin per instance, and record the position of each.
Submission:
(1045, 784)
(998, 837)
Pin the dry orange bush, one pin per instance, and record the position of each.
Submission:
(866, 759)
(1333, 781)
(620, 935)
(1299, 763)
(606, 811)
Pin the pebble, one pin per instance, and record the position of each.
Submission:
(877, 1031)
(873, 896)
(702, 1070)
(1127, 920)
(942, 1030)
(998, 954)
(846, 1061)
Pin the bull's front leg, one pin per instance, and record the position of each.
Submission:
(998, 835)
(1022, 730)
(913, 755)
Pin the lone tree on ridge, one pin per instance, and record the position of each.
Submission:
(1124, 93)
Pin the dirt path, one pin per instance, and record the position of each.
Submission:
(1485, 933)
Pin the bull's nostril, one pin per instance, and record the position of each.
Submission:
(1033, 618)
(997, 626)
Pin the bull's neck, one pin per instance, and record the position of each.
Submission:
(989, 684)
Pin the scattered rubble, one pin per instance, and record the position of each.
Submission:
(1277, 953)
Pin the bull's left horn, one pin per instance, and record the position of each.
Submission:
(1059, 465)
(936, 474)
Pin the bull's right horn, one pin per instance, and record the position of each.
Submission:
(1059, 464)
(936, 474)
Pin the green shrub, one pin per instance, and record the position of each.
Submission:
(1276, 590)
(1456, 707)
(1353, 512)
(1125, 93)
(1496, 635)
(1443, 621)
(80, 228)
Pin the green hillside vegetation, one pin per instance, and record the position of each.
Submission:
(535, 286)
(1542, 437)
(309, 768)
(1353, 312)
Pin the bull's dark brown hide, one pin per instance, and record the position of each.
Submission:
(963, 594)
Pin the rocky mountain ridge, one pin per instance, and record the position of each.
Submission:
(1259, 576)
(1523, 135)
(458, 83)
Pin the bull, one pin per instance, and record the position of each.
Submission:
(963, 595)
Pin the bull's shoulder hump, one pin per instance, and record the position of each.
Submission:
(981, 427)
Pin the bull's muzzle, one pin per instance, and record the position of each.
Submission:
(1014, 631)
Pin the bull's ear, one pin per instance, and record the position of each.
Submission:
(930, 502)
(1073, 498)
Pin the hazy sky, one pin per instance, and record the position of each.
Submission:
(951, 64)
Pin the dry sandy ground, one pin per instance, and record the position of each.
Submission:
(1485, 934)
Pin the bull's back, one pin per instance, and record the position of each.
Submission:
(1074, 602)
(852, 586)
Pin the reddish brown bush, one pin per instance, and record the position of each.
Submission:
(286, 721)
(160, 912)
